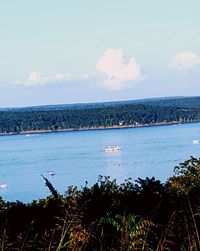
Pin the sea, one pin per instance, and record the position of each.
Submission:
(79, 157)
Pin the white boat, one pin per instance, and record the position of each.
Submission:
(3, 186)
(195, 141)
(111, 149)
(51, 173)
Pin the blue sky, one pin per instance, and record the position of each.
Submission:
(85, 51)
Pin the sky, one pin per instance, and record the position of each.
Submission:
(75, 51)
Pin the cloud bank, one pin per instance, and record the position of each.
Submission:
(113, 72)
(118, 74)
(185, 61)
(37, 78)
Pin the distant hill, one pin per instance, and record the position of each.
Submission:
(95, 115)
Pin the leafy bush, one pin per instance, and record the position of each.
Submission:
(141, 215)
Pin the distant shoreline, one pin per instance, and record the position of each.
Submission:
(96, 128)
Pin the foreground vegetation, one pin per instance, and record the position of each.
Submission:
(141, 215)
(63, 117)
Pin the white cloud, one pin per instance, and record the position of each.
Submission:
(185, 61)
(89, 76)
(119, 74)
(36, 78)
(60, 77)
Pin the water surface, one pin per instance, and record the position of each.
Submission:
(78, 156)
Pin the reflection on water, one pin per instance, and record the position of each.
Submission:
(76, 157)
(113, 166)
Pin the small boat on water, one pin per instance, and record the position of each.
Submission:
(195, 141)
(51, 173)
(3, 186)
(112, 149)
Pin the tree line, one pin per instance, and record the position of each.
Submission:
(144, 215)
(106, 115)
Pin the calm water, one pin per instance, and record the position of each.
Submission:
(77, 157)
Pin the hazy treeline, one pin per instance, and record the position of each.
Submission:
(96, 115)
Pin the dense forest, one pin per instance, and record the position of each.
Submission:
(144, 215)
(124, 113)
